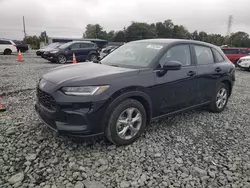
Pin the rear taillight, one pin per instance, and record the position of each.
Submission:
(14, 45)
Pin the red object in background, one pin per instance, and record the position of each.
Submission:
(1, 105)
(234, 54)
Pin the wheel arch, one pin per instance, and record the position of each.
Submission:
(134, 92)
(229, 84)
(7, 49)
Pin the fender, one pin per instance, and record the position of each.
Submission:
(123, 94)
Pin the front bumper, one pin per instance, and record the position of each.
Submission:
(74, 119)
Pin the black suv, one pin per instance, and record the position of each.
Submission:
(139, 82)
(21, 45)
(83, 51)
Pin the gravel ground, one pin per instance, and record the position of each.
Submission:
(193, 149)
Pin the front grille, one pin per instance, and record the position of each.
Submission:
(46, 99)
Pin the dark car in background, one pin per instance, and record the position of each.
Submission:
(139, 82)
(21, 45)
(83, 51)
(234, 54)
(48, 48)
(105, 51)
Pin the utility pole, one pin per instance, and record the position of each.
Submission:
(24, 30)
(229, 25)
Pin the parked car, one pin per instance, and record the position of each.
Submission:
(48, 48)
(244, 63)
(234, 54)
(83, 51)
(21, 45)
(105, 51)
(139, 82)
(7, 47)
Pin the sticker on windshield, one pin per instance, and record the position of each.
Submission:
(156, 47)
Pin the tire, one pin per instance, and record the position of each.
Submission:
(122, 111)
(217, 106)
(62, 59)
(93, 57)
(7, 52)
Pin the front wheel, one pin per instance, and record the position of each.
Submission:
(62, 59)
(220, 99)
(126, 123)
(93, 57)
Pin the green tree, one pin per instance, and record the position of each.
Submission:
(180, 32)
(239, 39)
(119, 36)
(95, 31)
(33, 41)
(140, 30)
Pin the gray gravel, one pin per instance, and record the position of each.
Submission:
(193, 149)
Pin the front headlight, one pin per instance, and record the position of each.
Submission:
(85, 90)
(55, 51)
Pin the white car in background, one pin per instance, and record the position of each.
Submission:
(244, 63)
(7, 47)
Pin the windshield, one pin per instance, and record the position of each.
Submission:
(52, 45)
(133, 55)
(65, 45)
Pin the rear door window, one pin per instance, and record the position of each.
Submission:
(75, 46)
(84, 45)
(204, 55)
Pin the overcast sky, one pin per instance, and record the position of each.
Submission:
(68, 18)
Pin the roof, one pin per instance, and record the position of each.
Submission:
(169, 41)
(78, 39)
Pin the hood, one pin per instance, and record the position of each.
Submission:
(86, 71)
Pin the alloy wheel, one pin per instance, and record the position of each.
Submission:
(62, 59)
(129, 123)
(221, 98)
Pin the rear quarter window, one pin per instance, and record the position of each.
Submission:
(218, 57)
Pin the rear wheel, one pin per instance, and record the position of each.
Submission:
(62, 59)
(7, 52)
(126, 123)
(220, 98)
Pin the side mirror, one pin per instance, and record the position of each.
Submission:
(172, 65)
(169, 66)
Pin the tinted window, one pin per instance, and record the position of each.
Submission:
(75, 46)
(85, 45)
(218, 56)
(5, 42)
(179, 53)
(204, 55)
(231, 51)
(244, 51)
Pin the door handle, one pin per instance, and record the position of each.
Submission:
(191, 73)
(218, 69)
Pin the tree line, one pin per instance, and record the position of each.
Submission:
(165, 29)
